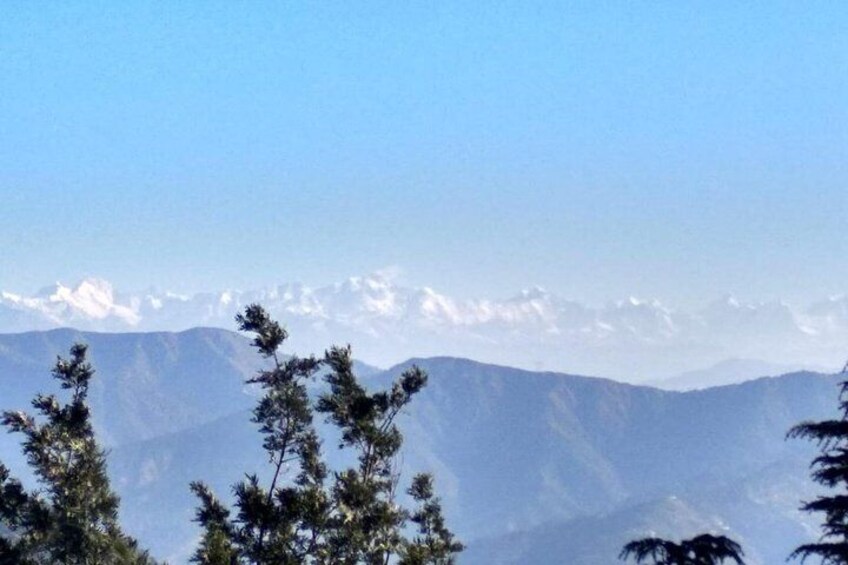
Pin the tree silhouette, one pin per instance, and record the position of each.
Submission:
(306, 514)
(704, 549)
(830, 469)
(72, 518)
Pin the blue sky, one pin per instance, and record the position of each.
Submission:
(678, 150)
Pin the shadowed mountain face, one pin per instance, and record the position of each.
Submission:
(532, 467)
(147, 384)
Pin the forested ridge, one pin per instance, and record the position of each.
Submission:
(612, 410)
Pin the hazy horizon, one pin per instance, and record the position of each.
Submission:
(388, 320)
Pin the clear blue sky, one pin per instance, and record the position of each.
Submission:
(671, 149)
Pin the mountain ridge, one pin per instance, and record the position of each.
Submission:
(629, 339)
(512, 450)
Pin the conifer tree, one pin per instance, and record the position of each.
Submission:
(306, 514)
(705, 549)
(73, 517)
(434, 544)
(279, 523)
(830, 469)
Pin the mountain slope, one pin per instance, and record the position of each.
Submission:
(528, 447)
(147, 383)
(522, 459)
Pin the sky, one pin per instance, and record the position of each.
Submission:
(672, 150)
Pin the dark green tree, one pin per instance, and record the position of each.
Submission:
(705, 549)
(73, 517)
(830, 469)
(280, 523)
(434, 544)
(306, 514)
(215, 547)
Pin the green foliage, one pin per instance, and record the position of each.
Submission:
(830, 469)
(215, 546)
(434, 544)
(72, 519)
(307, 514)
(704, 549)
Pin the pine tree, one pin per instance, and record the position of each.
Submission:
(307, 514)
(434, 544)
(277, 524)
(366, 528)
(215, 546)
(73, 517)
(704, 549)
(830, 469)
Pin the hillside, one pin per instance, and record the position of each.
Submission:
(541, 464)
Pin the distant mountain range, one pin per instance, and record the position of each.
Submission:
(729, 371)
(629, 340)
(533, 467)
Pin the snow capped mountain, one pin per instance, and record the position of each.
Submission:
(91, 301)
(388, 322)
